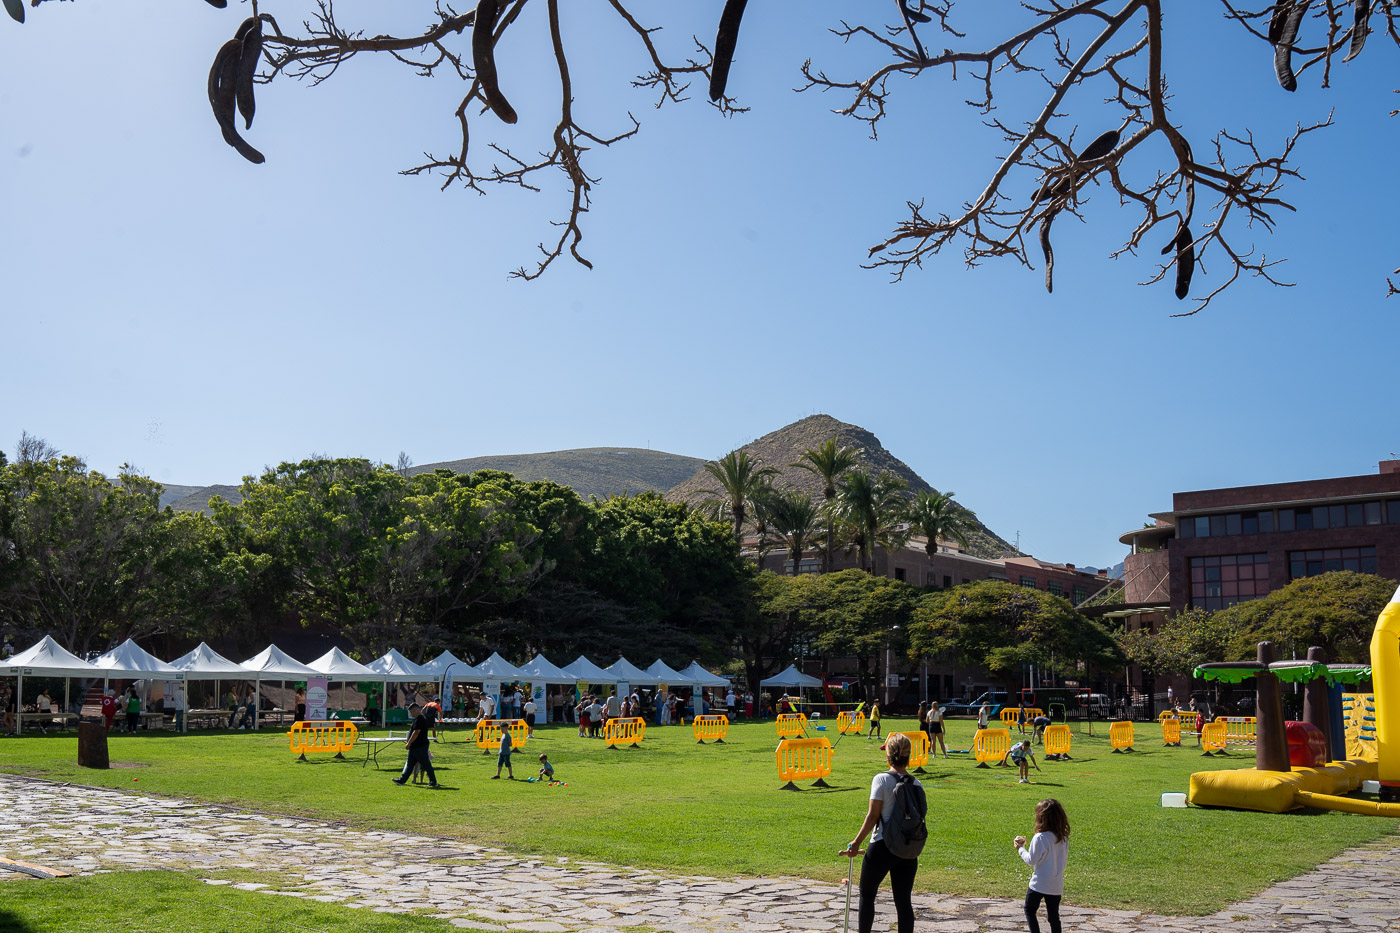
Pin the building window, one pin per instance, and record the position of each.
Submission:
(1392, 511)
(948, 581)
(1217, 582)
(899, 573)
(1056, 588)
(1028, 582)
(1312, 563)
(806, 565)
(1080, 594)
(966, 580)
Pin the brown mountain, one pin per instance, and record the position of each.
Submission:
(782, 448)
(591, 471)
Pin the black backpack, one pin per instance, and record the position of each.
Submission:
(904, 831)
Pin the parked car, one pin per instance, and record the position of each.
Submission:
(1098, 704)
(996, 699)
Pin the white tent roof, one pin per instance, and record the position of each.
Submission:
(396, 667)
(461, 670)
(272, 663)
(540, 670)
(204, 663)
(702, 677)
(791, 677)
(131, 660)
(337, 665)
(49, 659)
(589, 673)
(627, 672)
(498, 668)
(665, 674)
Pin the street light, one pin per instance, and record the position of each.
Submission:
(889, 661)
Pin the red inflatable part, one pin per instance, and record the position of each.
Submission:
(1307, 747)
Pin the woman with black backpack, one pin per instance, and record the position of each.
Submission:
(896, 814)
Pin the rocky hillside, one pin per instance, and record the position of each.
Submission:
(591, 471)
(782, 448)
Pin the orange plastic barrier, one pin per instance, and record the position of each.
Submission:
(800, 759)
(990, 745)
(848, 722)
(1011, 715)
(918, 753)
(321, 737)
(1239, 730)
(624, 732)
(791, 725)
(1056, 742)
(1213, 738)
(488, 734)
(1120, 736)
(1171, 731)
(710, 727)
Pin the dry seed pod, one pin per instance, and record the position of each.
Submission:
(1283, 51)
(223, 77)
(1360, 27)
(1276, 20)
(1185, 261)
(484, 59)
(248, 67)
(1048, 251)
(725, 41)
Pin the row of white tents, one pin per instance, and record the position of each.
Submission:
(128, 661)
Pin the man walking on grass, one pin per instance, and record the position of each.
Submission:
(417, 745)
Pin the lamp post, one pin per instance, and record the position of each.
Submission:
(889, 661)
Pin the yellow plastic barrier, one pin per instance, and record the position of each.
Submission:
(1213, 738)
(1239, 730)
(990, 745)
(710, 727)
(321, 737)
(791, 725)
(800, 759)
(1120, 736)
(1171, 731)
(1057, 742)
(488, 734)
(1011, 715)
(848, 722)
(624, 732)
(918, 752)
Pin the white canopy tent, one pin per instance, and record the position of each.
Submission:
(461, 670)
(130, 660)
(393, 667)
(272, 663)
(494, 670)
(541, 673)
(589, 673)
(46, 659)
(628, 673)
(204, 663)
(701, 677)
(337, 665)
(665, 674)
(789, 679)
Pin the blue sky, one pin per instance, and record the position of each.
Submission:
(170, 305)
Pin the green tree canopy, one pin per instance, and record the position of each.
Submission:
(1336, 611)
(1002, 627)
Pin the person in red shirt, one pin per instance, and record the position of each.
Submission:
(109, 708)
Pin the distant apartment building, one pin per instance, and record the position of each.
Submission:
(1219, 547)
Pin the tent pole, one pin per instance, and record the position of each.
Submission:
(384, 704)
(19, 703)
(257, 701)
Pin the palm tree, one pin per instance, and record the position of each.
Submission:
(935, 515)
(741, 481)
(874, 507)
(763, 499)
(796, 518)
(828, 462)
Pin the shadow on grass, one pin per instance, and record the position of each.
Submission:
(11, 923)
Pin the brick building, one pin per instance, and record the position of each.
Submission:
(1218, 547)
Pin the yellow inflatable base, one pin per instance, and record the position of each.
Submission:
(1277, 791)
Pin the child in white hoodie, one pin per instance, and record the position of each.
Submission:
(1047, 853)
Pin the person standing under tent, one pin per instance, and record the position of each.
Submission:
(109, 707)
(417, 745)
(12, 709)
(181, 707)
(301, 704)
(372, 705)
(581, 713)
(614, 705)
(529, 717)
(731, 704)
(488, 706)
(133, 710)
(43, 704)
(748, 704)
(663, 708)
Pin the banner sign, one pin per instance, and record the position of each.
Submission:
(492, 689)
(316, 699)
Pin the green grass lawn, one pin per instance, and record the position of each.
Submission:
(718, 809)
(159, 902)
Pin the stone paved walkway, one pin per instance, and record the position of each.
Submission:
(89, 830)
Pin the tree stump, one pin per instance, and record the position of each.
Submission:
(92, 745)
